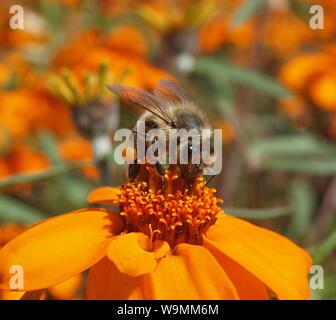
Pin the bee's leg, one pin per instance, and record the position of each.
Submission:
(209, 180)
(133, 170)
(159, 169)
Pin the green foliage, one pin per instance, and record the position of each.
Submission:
(302, 199)
(222, 70)
(246, 11)
(294, 153)
(325, 249)
(18, 211)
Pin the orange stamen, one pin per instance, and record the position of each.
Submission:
(175, 215)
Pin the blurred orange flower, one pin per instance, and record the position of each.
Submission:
(114, 50)
(228, 131)
(323, 91)
(296, 109)
(312, 77)
(10, 230)
(4, 168)
(23, 112)
(78, 148)
(22, 159)
(25, 159)
(127, 39)
(219, 31)
(20, 112)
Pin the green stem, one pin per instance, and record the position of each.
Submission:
(44, 174)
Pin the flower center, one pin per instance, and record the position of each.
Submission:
(164, 209)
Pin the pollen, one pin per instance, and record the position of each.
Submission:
(169, 211)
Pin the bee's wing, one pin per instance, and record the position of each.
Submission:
(142, 99)
(171, 91)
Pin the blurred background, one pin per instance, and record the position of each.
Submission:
(256, 68)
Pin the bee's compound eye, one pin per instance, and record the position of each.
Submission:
(173, 124)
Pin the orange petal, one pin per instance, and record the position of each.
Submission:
(191, 273)
(272, 258)
(132, 253)
(247, 285)
(15, 295)
(106, 282)
(106, 195)
(10, 295)
(67, 290)
(58, 248)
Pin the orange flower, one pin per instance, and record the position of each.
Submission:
(19, 112)
(77, 148)
(24, 159)
(219, 31)
(33, 31)
(297, 73)
(128, 39)
(323, 91)
(118, 55)
(285, 32)
(12, 66)
(228, 131)
(295, 109)
(10, 230)
(4, 168)
(163, 232)
(24, 112)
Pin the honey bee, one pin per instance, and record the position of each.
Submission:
(168, 108)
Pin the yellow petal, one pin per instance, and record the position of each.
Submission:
(275, 260)
(10, 295)
(106, 282)
(106, 195)
(191, 273)
(58, 248)
(247, 285)
(67, 290)
(132, 254)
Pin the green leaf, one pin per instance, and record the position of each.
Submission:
(53, 12)
(67, 193)
(322, 251)
(246, 10)
(44, 174)
(17, 211)
(300, 165)
(48, 145)
(302, 199)
(294, 153)
(329, 290)
(263, 213)
(221, 70)
(290, 145)
(301, 9)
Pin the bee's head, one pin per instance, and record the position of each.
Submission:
(189, 120)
